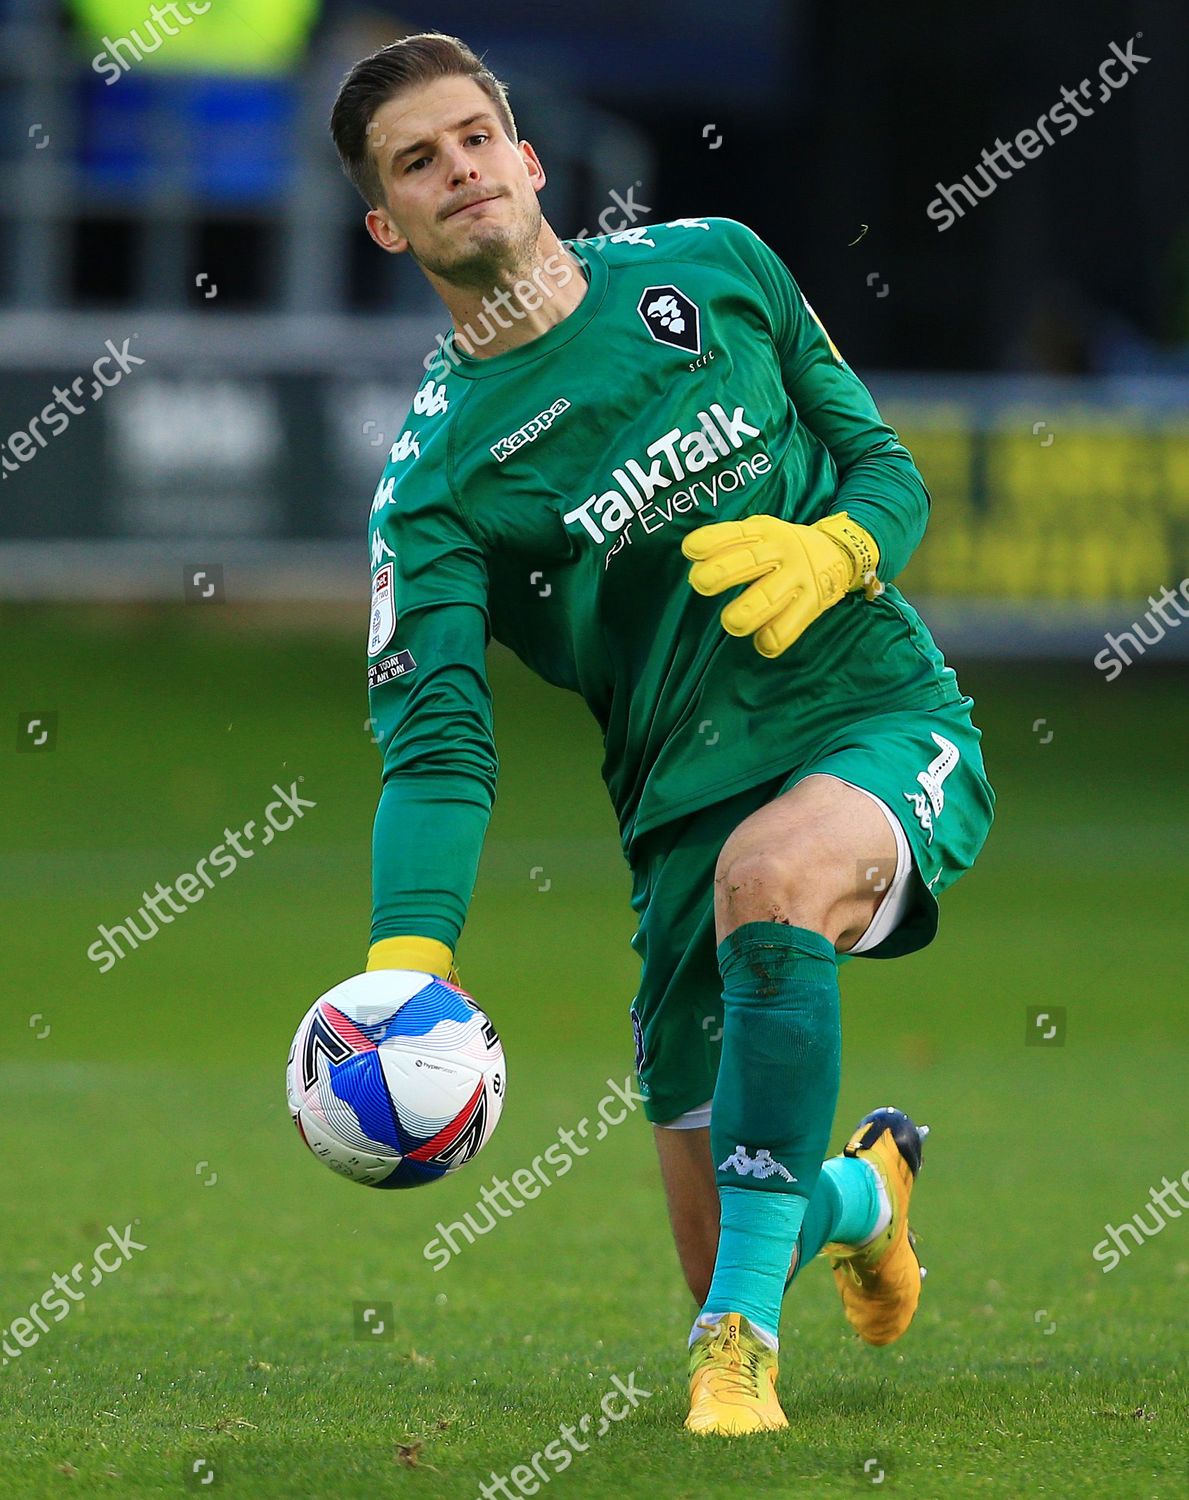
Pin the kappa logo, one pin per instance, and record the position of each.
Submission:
(761, 1165)
(643, 234)
(928, 802)
(406, 446)
(671, 318)
(430, 400)
(383, 495)
(380, 549)
(531, 430)
(638, 1035)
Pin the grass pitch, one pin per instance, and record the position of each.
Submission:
(150, 1099)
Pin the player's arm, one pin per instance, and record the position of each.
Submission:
(431, 715)
(879, 486)
(434, 726)
(880, 507)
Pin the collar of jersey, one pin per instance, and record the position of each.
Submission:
(553, 338)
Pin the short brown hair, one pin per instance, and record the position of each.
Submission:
(374, 80)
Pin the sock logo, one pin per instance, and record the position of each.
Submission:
(760, 1165)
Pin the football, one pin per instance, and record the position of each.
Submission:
(395, 1078)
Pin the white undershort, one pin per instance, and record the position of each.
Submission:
(887, 918)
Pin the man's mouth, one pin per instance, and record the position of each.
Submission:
(474, 203)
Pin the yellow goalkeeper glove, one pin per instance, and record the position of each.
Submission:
(422, 955)
(802, 571)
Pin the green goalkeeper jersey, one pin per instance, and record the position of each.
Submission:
(540, 497)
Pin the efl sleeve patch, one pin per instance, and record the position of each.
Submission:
(383, 611)
(384, 671)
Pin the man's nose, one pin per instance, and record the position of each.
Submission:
(461, 168)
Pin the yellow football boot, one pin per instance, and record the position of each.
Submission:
(732, 1380)
(880, 1282)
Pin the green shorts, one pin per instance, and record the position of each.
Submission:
(923, 764)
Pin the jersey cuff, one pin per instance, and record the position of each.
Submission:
(859, 545)
(421, 954)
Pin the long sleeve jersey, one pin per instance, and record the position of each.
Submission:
(540, 496)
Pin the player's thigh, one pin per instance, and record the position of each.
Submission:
(925, 767)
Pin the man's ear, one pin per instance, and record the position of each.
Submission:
(384, 232)
(532, 165)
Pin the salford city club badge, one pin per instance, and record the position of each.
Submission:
(671, 318)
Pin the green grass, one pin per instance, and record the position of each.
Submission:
(231, 1336)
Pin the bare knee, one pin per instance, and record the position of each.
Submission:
(801, 885)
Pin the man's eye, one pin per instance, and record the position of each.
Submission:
(479, 135)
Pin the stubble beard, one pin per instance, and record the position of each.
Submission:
(494, 255)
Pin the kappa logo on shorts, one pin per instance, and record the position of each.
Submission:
(638, 1034)
(761, 1165)
(671, 318)
(927, 804)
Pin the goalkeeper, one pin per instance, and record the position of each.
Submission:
(640, 463)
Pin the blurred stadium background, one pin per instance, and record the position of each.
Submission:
(1034, 356)
(184, 202)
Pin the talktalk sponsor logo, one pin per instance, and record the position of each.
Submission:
(670, 460)
(531, 430)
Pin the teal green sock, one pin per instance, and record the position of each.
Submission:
(773, 1107)
(844, 1207)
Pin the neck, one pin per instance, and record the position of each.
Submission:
(525, 301)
